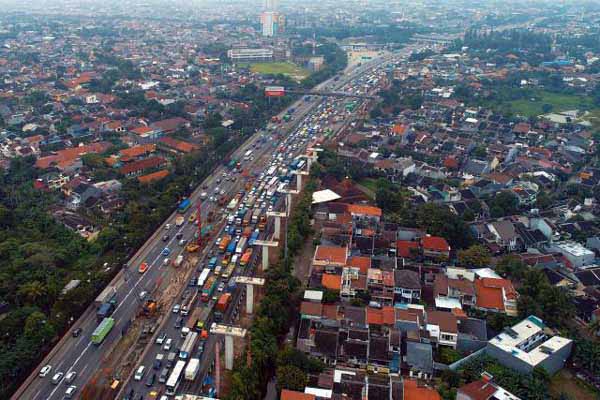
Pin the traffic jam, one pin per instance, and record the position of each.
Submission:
(212, 295)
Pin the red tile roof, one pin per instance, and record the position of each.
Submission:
(360, 209)
(311, 308)
(381, 316)
(361, 262)
(141, 165)
(137, 151)
(490, 293)
(332, 281)
(179, 145)
(155, 176)
(68, 156)
(332, 254)
(478, 390)
(413, 391)
(293, 395)
(435, 243)
(403, 248)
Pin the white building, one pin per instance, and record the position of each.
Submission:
(525, 346)
(241, 55)
(578, 255)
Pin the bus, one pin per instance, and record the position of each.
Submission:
(102, 330)
(203, 277)
(184, 206)
(175, 378)
(208, 288)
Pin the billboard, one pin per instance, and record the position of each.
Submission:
(274, 91)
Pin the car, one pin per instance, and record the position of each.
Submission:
(70, 392)
(167, 345)
(166, 261)
(164, 375)
(179, 323)
(143, 294)
(161, 338)
(150, 380)
(143, 267)
(176, 309)
(57, 378)
(139, 373)
(167, 227)
(166, 251)
(70, 377)
(165, 238)
(184, 310)
(77, 332)
(221, 286)
(182, 242)
(45, 371)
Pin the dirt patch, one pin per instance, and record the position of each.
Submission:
(566, 382)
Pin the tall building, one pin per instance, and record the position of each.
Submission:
(271, 5)
(268, 20)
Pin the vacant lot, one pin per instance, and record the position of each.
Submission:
(534, 105)
(284, 68)
(566, 382)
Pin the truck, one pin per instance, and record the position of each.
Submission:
(223, 302)
(231, 247)
(179, 220)
(247, 218)
(191, 370)
(246, 257)
(254, 237)
(212, 262)
(262, 223)
(192, 247)
(188, 345)
(241, 245)
(184, 206)
(105, 310)
(102, 330)
(255, 215)
(209, 288)
(109, 294)
(233, 204)
(177, 262)
(224, 243)
(228, 271)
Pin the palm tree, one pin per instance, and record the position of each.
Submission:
(32, 292)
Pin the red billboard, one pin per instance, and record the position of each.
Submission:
(274, 91)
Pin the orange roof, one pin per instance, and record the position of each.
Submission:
(332, 281)
(490, 292)
(155, 176)
(435, 243)
(412, 391)
(403, 248)
(142, 130)
(361, 262)
(66, 157)
(331, 254)
(364, 210)
(399, 129)
(293, 395)
(178, 145)
(137, 151)
(381, 316)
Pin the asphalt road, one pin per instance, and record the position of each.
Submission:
(78, 354)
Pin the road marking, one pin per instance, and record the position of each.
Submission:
(37, 394)
(71, 368)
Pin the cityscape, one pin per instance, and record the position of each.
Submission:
(300, 200)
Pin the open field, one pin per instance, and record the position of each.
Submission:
(284, 68)
(534, 106)
(566, 382)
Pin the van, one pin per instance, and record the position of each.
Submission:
(171, 359)
(57, 378)
(139, 374)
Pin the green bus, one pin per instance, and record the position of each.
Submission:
(102, 330)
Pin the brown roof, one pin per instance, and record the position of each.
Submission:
(68, 156)
(331, 281)
(331, 254)
(293, 395)
(478, 390)
(137, 151)
(445, 320)
(179, 145)
(310, 308)
(155, 176)
(141, 165)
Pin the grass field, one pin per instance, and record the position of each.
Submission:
(284, 68)
(566, 382)
(560, 102)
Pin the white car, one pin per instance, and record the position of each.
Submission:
(167, 345)
(139, 374)
(70, 392)
(161, 338)
(57, 378)
(70, 377)
(176, 309)
(45, 371)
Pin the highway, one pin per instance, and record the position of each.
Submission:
(78, 354)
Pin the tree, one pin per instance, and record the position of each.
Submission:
(511, 266)
(440, 221)
(476, 256)
(503, 204)
(291, 377)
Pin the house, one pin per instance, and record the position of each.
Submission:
(293, 395)
(138, 167)
(443, 328)
(144, 135)
(170, 125)
(435, 247)
(330, 258)
(407, 286)
(504, 234)
(363, 212)
(578, 255)
(525, 346)
(416, 390)
(176, 146)
(82, 194)
(496, 295)
(484, 389)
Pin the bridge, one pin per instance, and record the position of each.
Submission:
(330, 94)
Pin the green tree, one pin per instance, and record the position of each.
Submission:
(440, 221)
(291, 377)
(503, 204)
(476, 256)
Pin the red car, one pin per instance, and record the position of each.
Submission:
(143, 267)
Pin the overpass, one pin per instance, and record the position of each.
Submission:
(330, 94)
